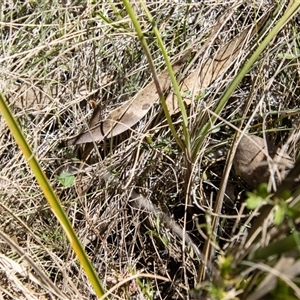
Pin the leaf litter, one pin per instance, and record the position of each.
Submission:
(133, 110)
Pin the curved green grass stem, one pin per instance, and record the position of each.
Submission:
(247, 66)
(172, 76)
(51, 196)
(186, 145)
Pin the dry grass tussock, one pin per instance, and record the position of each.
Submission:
(55, 58)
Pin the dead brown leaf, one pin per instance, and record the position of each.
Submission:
(251, 161)
(132, 111)
(27, 96)
(212, 68)
(128, 114)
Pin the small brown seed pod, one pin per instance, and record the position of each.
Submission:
(252, 165)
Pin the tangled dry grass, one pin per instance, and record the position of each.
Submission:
(55, 59)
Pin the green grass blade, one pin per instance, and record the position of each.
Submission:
(283, 246)
(225, 97)
(143, 41)
(172, 76)
(50, 196)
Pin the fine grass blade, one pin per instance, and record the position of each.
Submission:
(50, 196)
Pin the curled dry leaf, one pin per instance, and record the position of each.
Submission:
(28, 96)
(132, 111)
(206, 73)
(127, 115)
(35, 97)
(213, 67)
(251, 161)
